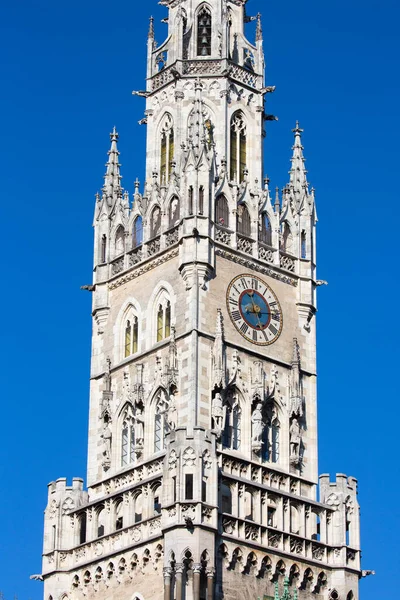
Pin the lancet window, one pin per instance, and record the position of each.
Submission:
(119, 241)
(163, 320)
(131, 336)
(265, 230)
(155, 224)
(160, 421)
(287, 238)
(174, 211)
(103, 252)
(128, 438)
(303, 244)
(233, 426)
(137, 232)
(238, 147)
(243, 221)
(222, 211)
(167, 149)
(271, 441)
(204, 32)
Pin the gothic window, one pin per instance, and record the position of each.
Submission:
(243, 221)
(131, 337)
(190, 195)
(163, 320)
(204, 32)
(119, 241)
(103, 257)
(350, 596)
(167, 149)
(138, 508)
(271, 439)
(155, 224)
(266, 230)
(189, 486)
(201, 200)
(157, 502)
(119, 519)
(232, 431)
(174, 210)
(101, 518)
(160, 422)
(248, 506)
(275, 441)
(222, 211)
(82, 528)
(226, 499)
(137, 232)
(238, 147)
(128, 438)
(287, 238)
(303, 244)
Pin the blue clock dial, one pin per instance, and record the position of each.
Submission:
(254, 310)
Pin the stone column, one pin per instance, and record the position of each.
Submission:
(210, 583)
(179, 569)
(196, 581)
(167, 583)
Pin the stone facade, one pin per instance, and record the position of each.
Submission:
(202, 452)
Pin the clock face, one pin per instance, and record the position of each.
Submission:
(254, 310)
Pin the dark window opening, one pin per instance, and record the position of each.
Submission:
(204, 491)
(189, 487)
(157, 506)
(82, 531)
(100, 531)
(119, 523)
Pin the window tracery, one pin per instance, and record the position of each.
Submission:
(131, 336)
(161, 421)
(204, 32)
(163, 320)
(167, 149)
(238, 147)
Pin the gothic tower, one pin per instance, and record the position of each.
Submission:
(202, 453)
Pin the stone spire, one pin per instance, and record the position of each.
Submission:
(151, 29)
(298, 173)
(259, 33)
(112, 180)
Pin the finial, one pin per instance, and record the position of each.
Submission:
(114, 135)
(137, 185)
(151, 29)
(277, 201)
(266, 181)
(259, 34)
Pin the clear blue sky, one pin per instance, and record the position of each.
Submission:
(67, 72)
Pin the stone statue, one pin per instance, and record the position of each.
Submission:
(172, 413)
(217, 411)
(258, 425)
(295, 439)
(139, 427)
(107, 436)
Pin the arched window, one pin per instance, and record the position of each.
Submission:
(222, 211)
(350, 596)
(232, 431)
(167, 149)
(270, 447)
(82, 528)
(226, 498)
(163, 321)
(131, 336)
(266, 230)
(119, 241)
(119, 519)
(155, 224)
(160, 422)
(201, 200)
(243, 221)
(174, 210)
(137, 232)
(275, 441)
(101, 520)
(190, 198)
(248, 506)
(204, 32)
(238, 147)
(103, 257)
(303, 244)
(287, 238)
(128, 455)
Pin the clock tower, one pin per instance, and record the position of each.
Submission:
(202, 478)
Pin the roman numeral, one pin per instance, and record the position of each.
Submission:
(244, 328)
(273, 329)
(255, 336)
(276, 317)
(236, 315)
(254, 284)
(233, 301)
(244, 283)
(236, 290)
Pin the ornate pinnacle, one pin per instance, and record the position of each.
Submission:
(112, 178)
(298, 172)
(259, 33)
(151, 29)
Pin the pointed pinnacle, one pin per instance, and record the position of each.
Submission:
(151, 29)
(259, 33)
(114, 135)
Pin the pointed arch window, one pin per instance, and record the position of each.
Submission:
(204, 32)
(167, 149)
(131, 336)
(163, 320)
(137, 232)
(222, 211)
(238, 147)
(201, 200)
(287, 238)
(233, 425)
(271, 442)
(266, 230)
(128, 455)
(174, 211)
(103, 257)
(160, 422)
(155, 224)
(119, 241)
(303, 245)
(243, 221)
(190, 197)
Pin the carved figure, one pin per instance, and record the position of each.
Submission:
(258, 425)
(172, 413)
(107, 437)
(139, 427)
(295, 439)
(217, 411)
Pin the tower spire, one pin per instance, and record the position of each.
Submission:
(298, 172)
(151, 29)
(112, 179)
